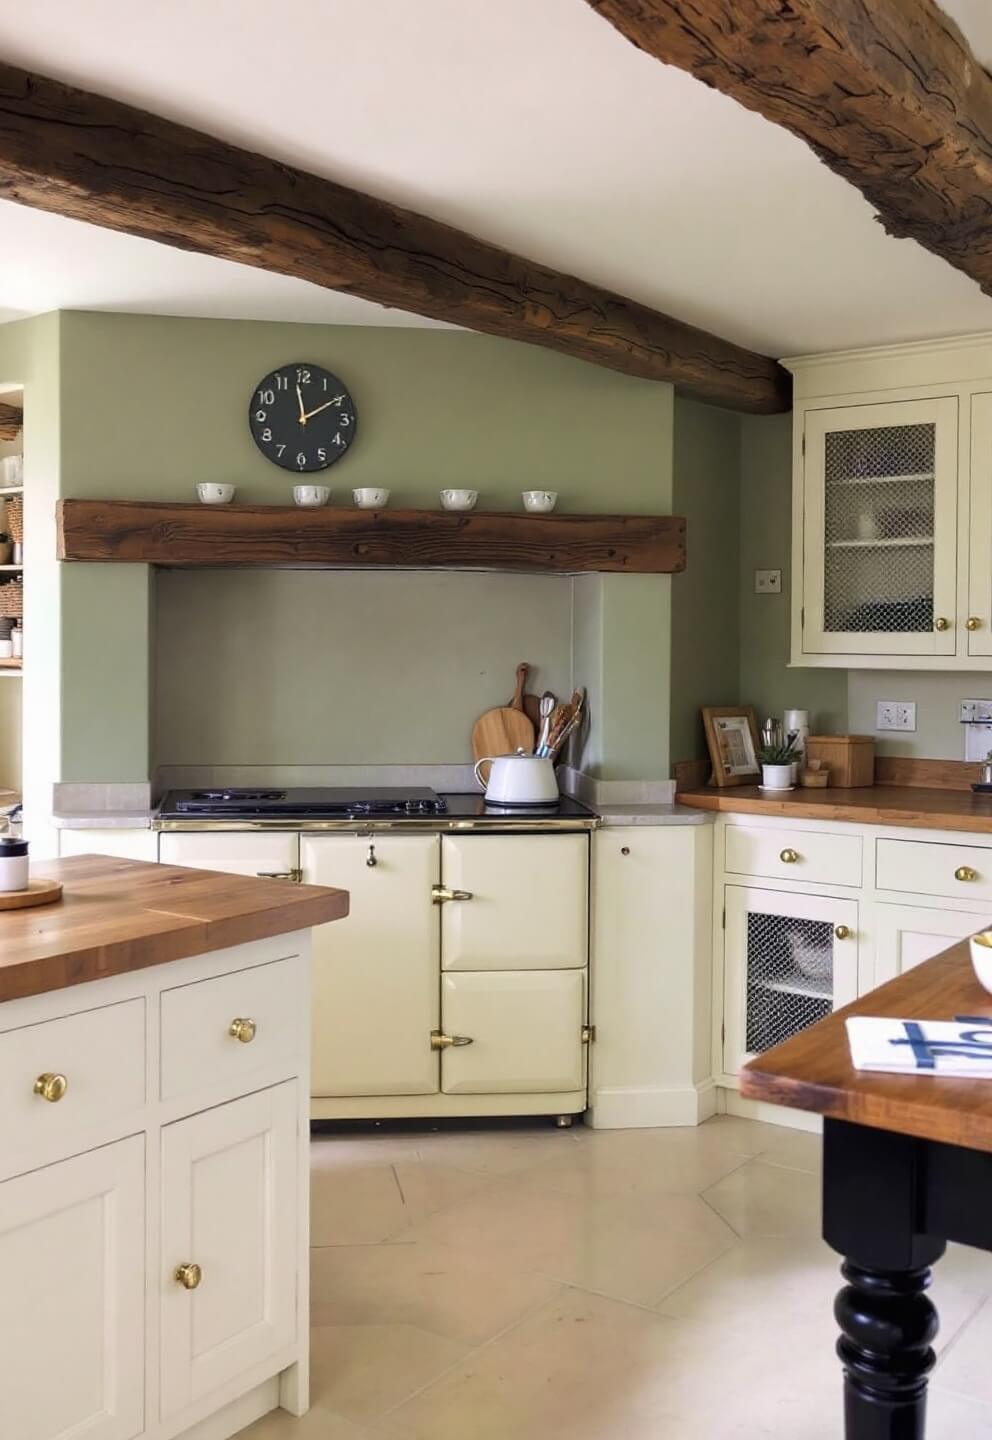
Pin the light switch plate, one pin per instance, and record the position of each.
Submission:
(767, 582)
(895, 715)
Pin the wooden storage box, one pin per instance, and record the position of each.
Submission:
(851, 758)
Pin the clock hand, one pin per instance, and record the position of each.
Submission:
(311, 413)
(299, 396)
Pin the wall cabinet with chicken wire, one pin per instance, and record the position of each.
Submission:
(789, 960)
(892, 507)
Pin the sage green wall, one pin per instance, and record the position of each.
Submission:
(939, 734)
(705, 608)
(766, 680)
(151, 405)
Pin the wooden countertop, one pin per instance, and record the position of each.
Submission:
(813, 1070)
(121, 915)
(918, 807)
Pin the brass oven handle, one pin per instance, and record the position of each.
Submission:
(440, 1041)
(51, 1086)
(789, 857)
(965, 872)
(188, 1275)
(242, 1029)
(440, 894)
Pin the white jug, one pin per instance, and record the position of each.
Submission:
(519, 779)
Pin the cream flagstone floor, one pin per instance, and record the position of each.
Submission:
(537, 1284)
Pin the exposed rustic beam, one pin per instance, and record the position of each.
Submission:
(152, 533)
(94, 159)
(11, 421)
(887, 92)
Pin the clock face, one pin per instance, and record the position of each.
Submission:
(302, 418)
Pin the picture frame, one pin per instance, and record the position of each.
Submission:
(732, 739)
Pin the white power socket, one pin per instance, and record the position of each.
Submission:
(895, 715)
(767, 582)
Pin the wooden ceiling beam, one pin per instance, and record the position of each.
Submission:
(94, 159)
(886, 92)
(11, 422)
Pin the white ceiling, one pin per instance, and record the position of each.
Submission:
(535, 126)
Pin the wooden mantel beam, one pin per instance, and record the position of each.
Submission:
(11, 421)
(95, 159)
(887, 93)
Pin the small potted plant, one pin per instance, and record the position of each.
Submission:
(776, 765)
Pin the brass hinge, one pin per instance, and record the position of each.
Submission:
(588, 1034)
(295, 875)
(723, 918)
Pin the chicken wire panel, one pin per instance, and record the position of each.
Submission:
(790, 977)
(879, 529)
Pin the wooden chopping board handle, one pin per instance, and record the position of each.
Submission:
(517, 703)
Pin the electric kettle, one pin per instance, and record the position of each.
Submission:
(519, 779)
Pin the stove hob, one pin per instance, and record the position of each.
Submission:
(317, 803)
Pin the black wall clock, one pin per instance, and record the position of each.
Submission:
(302, 418)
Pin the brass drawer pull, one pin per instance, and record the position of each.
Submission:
(973, 623)
(243, 1029)
(789, 857)
(941, 624)
(50, 1086)
(965, 872)
(440, 1041)
(188, 1275)
(440, 894)
(843, 932)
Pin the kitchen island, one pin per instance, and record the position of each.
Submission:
(154, 1074)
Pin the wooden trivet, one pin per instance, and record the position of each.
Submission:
(39, 892)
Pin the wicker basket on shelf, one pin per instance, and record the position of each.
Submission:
(12, 599)
(15, 518)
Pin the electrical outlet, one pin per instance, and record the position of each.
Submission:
(767, 582)
(895, 715)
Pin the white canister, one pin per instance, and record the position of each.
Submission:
(17, 640)
(13, 863)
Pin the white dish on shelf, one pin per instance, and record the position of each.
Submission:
(776, 789)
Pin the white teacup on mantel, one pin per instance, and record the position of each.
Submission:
(209, 493)
(459, 499)
(311, 494)
(539, 502)
(370, 497)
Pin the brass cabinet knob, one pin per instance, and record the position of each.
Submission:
(843, 932)
(51, 1086)
(973, 623)
(789, 857)
(941, 624)
(242, 1029)
(440, 1041)
(188, 1275)
(965, 872)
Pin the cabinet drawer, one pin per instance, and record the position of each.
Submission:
(925, 867)
(812, 855)
(101, 1056)
(199, 1048)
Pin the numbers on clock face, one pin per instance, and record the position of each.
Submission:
(302, 418)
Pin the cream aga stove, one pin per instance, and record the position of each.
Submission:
(458, 984)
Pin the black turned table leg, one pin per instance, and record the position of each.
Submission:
(874, 1204)
(887, 1325)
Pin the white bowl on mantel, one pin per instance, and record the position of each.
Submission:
(981, 957)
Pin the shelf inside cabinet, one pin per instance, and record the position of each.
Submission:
(921, 477)
(902, 542)
(11, 569)
(809, 989)
(6, 490)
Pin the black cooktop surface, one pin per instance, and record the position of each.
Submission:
(472, 806)
(303, 803)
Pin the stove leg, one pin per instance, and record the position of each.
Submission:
(564, 1122)
(887, 1323)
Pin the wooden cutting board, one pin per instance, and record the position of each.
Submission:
(501, 732)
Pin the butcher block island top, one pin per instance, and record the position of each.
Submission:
(117, 916)
(915, 806)
(813, 1070)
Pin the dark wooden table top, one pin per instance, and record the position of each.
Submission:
(813, 1070)
(915, 806)
(121, 915)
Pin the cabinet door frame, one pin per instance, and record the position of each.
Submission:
(942, 412)
(892, 919)
(739, 901)
(980, 529)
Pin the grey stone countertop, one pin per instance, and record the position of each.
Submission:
(648, 815)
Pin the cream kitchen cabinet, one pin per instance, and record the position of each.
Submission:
(906, 935)
(229, 1242)
(892, 507)
(376, 999)
(268, 853)
(790, 959)
(458, 983)
(124, 844)
(72, 1247)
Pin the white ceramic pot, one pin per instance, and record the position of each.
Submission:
(459, 499)
(210, 494)
(311, 494)
(370, 497)
(519, 780)
(539, 502)
(776, 777)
